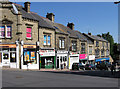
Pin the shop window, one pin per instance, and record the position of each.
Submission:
(30, 57)
(47, 39)
(12, 49)
(82, 48)
(2, 31)
(29, 33)
(61, 43)
(13, 57)
(65, 58)
(74, 46)
(5, 56)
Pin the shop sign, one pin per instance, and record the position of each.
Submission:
(62, 51)
(92, 57)
(102, 59)
(8, 46)
(83, 56)
(47, 52)
(73, 53)
(29, 46)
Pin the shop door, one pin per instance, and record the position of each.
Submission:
(5, 59)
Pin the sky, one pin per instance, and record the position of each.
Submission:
(94, 17)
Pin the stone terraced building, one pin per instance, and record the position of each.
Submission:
(30, 41)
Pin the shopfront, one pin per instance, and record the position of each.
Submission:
(8, 55)
(30, 57)
(102, 59)
(47, 58)
(73, 58)
(83, 59)
(91, 59)
(62, 59)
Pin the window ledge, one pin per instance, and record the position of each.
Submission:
(29, 38)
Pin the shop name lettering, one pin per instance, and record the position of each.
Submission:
(46, 51)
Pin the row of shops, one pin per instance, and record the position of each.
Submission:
(43, 58)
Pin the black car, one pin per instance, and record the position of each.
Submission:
(88, 67)
(81, 66)
(102, 66)
(75, 66)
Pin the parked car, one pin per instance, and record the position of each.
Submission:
(102, 66)
(81, 66)
(75, 66)
(88, 67)
(93, 66)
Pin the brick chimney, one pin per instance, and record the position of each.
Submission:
(70, 25)
(27, 6)
(50, 16)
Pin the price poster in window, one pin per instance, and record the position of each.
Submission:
(26, 55)
(32, 56)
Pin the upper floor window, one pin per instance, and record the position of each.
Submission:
(102, 44)
(61, 43)
(97, 44)
(107, 45)
(82, 48)
(102, 52)
(2, 31)
(90, 49)
(74, 46)
(5, 31)
(47, 39)
(29, 33)
(97, 52)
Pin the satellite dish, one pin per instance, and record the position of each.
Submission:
(15, 9)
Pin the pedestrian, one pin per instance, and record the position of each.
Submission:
(112, 69)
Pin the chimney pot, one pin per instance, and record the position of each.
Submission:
(89, 33)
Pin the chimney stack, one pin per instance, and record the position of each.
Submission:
(27, 6)
(70, 25)
(50, 16)
(89, 33)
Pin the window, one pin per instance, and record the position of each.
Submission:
(97, 51)
(13, 57)
(74, 46)
(61, 43)
(102, 44)
(2, 31)
(30, 57)
(8, 32)
(82, 48)
(107, 45)
(102, 52)
(107, 52)
(97, 44)
(47, 40)
(28, 33)
(90, 49)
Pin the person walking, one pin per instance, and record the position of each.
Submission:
(112, 69)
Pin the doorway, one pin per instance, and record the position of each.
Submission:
(5, 59)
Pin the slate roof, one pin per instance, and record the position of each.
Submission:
(34, 16)
(94, 37)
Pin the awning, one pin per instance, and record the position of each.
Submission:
(102, 59)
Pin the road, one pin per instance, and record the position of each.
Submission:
(11, 78)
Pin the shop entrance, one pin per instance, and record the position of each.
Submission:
(5, 59)
(62, 62)
(47, 62)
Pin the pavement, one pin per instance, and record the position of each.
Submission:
(58, 78)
